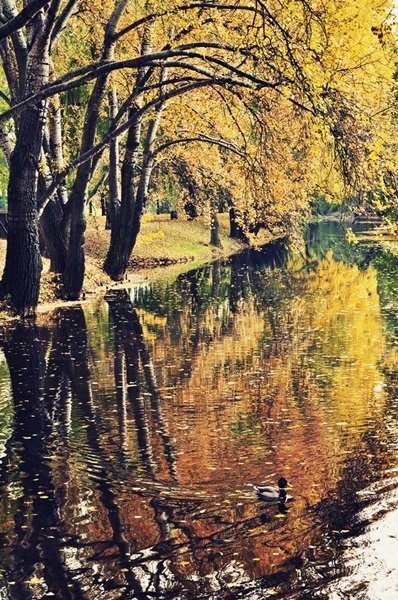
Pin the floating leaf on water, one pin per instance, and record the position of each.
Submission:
(33, 580)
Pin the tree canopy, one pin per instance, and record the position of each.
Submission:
(255, 105)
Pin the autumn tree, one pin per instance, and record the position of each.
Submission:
(310, 128)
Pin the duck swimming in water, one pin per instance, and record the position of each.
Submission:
(272, 493)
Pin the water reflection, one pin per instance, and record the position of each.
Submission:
(134, 430)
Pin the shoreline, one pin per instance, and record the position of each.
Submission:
(165, 248)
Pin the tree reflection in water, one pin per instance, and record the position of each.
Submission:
(126, 472)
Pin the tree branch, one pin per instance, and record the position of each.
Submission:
(22, 18)
(113, 133)
(156, 59)
(200, 138)
(182, 8)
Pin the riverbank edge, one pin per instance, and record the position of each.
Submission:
(164, 250)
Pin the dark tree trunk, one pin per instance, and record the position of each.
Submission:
(214, 229)
(21, 277)
(124, 230)
(127, 225)
(236, 228)
(73, 276)
(54, 239)
(132, 206)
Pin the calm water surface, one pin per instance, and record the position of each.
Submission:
(132, 432)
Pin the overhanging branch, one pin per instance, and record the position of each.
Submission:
(86, 74)
(204, 139)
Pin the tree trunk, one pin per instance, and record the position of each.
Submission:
(20, 283)
(236, 229)
(214, 229)
(50, 227)
(125, 236)
(73, 276)
(113, 204)
(21, 277)
(50, 223)
(122, 230)
(127, 227)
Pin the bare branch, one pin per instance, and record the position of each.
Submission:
(113, 133)
(183, 8)
(85, 74)
(22, 18)
(204, 139)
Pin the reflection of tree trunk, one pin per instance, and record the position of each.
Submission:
(216, 279)
(102, 467)
(127, 357)
(136, 352)
(108, 498)
(121, 399)
(150, 378)
(138, 405)
(37, 523)
(239, 288)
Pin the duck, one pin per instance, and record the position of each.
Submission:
(272, 493)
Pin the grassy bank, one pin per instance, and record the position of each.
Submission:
(162, 240)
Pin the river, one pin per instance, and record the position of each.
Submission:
(133, 430)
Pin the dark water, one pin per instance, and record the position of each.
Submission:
(132, 431)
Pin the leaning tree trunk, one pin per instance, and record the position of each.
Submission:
(126, 231)
(73, 275)
(127, 226)
(51, 219)
(53, 235)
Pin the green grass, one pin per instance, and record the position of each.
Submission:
(163, 238)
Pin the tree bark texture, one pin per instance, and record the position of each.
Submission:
(21, 278)
(122, 230)
(20, 283)
(127, 226)
(214, 228)
(236, 230)
(113, 204)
